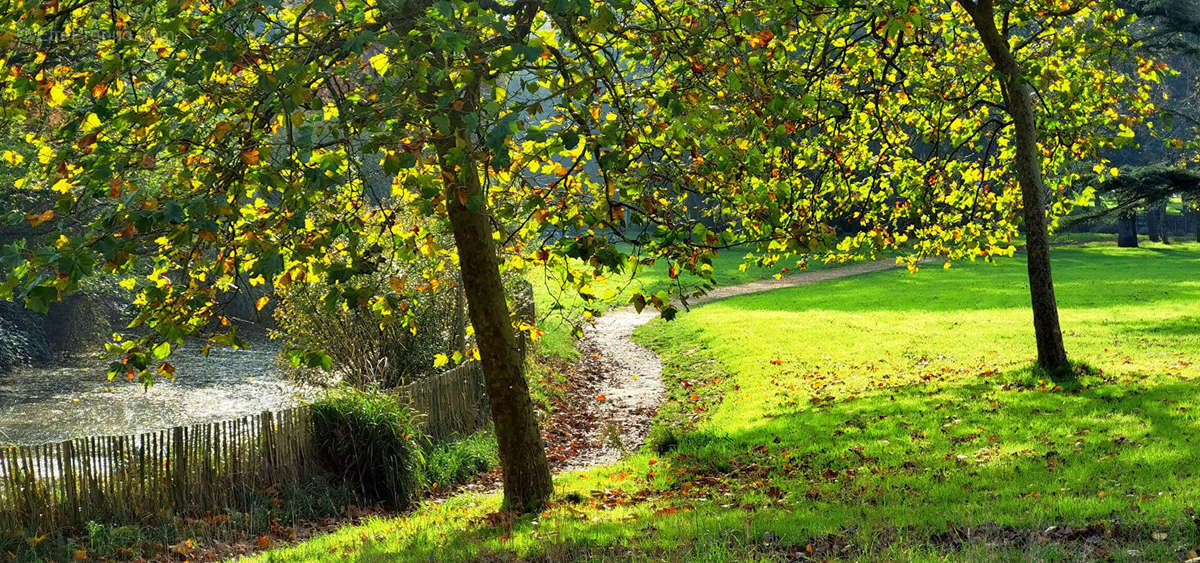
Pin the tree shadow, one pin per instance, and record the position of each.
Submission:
(1177, 327)
(985, 453)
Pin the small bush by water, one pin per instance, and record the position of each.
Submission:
(369, 440)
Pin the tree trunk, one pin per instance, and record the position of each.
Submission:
(1191, 211)
(458, 324)
(1164, 228)
(1154, 217)
(527, 479)
(1127, 229)
(1052, 355)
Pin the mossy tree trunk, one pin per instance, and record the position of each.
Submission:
(527, 479)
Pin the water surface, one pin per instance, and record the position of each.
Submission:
(56, 403)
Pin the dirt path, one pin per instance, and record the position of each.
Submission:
(619, 382)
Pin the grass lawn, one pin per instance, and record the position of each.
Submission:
(559, 308)
(884, 417)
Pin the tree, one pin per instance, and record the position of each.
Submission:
(1018, 102)
(202, 141)
(187, 145)
(912, 126)
(1142, 188)
(219, 140)
(1175, 24)
(1168, 30)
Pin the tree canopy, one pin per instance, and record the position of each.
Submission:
(181, 144)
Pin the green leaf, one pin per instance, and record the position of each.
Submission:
(570, 139)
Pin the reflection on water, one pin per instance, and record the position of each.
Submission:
(50, 404)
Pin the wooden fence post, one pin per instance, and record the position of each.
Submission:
(67, 462)
(178, 457)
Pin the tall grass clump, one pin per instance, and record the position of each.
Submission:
(458, 461)
(369, 440)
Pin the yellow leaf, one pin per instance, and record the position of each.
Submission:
(13, 158)
(380, 63)
(440, 360)
(92, 122)
(128, 283)
(398, 284)
(62, 186)
(250, 157)
(58, 95)
(222, 129)
(428, 247)
(262, 302)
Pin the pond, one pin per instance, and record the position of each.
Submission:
(61, 402)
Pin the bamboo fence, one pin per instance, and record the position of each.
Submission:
(181, 470)
(452, 403)
(198, 469)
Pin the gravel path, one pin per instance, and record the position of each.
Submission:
(629, 376)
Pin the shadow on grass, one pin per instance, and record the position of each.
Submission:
(985, 453)
(1179, 327)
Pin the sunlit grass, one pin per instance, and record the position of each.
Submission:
(885, 417)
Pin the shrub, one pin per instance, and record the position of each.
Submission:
(369, 349)
(369, 440)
